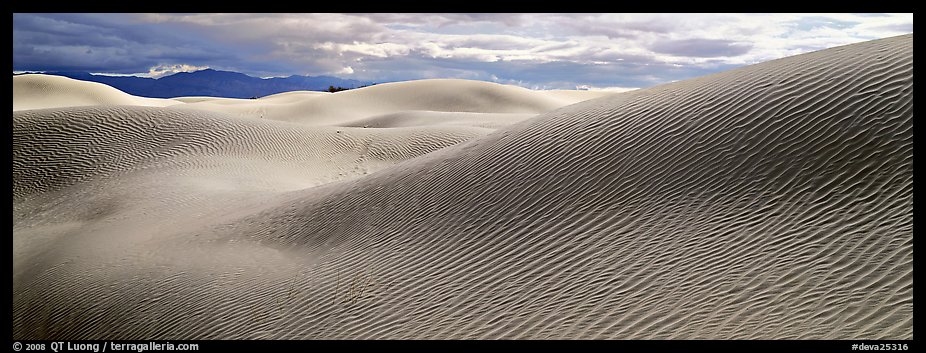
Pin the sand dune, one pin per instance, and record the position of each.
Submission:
(430, 118)
(37, 91)
(772, 201)
(437, 95)
(483, 104)
(73, 145)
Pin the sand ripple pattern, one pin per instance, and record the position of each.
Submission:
(772, 201)
(54, 148)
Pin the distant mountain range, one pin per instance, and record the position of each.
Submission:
(214, 83)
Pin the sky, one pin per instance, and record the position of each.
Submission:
(534, 50)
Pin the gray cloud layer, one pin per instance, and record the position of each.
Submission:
(701, 48)
(533, 50)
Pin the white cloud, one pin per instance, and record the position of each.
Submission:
(166, 70)
(609, 89)
(379, 50)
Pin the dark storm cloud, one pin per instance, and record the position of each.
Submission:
(701, 48)
(103, 43)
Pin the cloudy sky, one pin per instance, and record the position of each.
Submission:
(540, 51)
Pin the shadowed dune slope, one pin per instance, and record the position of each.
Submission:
(772, 201)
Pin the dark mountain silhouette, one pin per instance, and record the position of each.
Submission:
(214, 83)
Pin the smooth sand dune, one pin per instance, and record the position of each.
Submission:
(38, 91)
(772, 201)
(576, 96)
(430, 118)
(198, 99)
(285, 97)
(292, 95)
(442, 101)
(422, 96)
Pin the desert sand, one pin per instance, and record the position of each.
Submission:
(47, 91)
(772, 201)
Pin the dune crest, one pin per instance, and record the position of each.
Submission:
(38, 91)
(415, 97)
(772, 201)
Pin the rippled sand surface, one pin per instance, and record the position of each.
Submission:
(773, 201)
